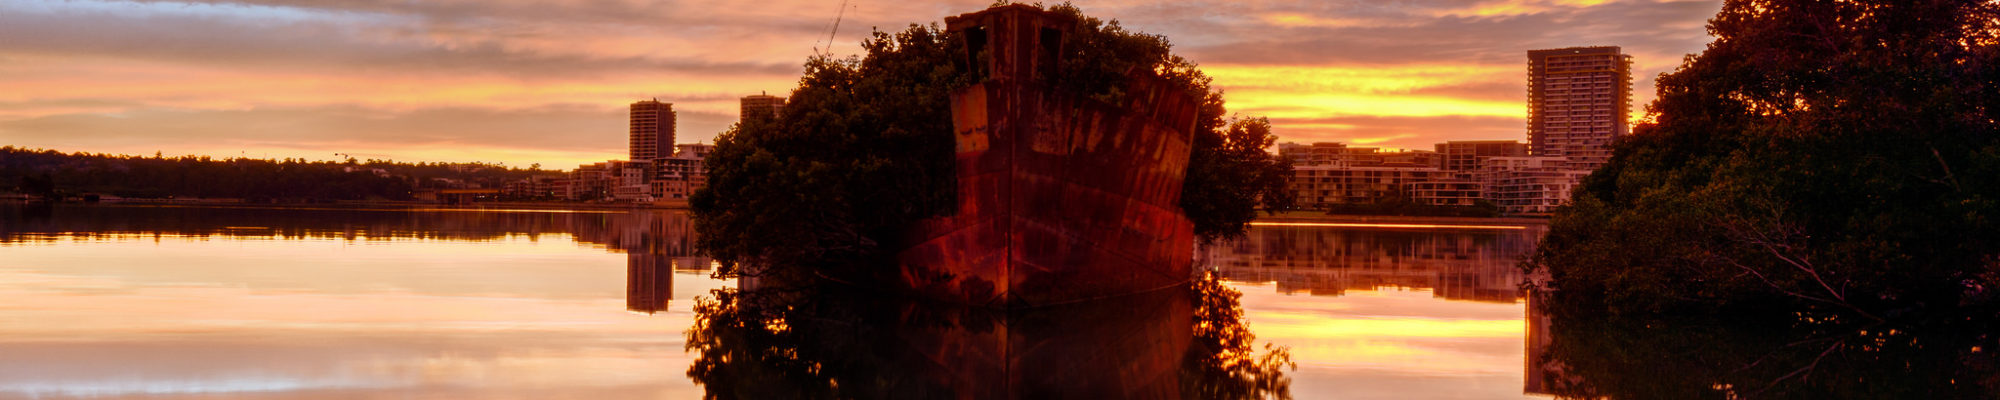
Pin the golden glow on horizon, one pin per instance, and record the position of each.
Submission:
(194, 87)
(1382, 225)
(1298, 20)
(1310, 92)
(1375, 140)
(1309, 327)
(1289, 104)
(1508, 8)
(1385, 79)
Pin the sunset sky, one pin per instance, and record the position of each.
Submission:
(522, 82)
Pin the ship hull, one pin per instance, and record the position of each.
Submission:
(1060, 198)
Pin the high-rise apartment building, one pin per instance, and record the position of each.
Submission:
(652, 130)
(1578, 102)
(758, 106)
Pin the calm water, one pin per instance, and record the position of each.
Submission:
(151, 302)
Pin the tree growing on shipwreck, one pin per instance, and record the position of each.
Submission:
(868, 154)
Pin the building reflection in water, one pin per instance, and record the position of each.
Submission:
(1456, 264)
(1472, 264)
(1542, 374)
(649, 282)
(657, 245)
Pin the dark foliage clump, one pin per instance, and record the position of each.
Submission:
(1840, 158)
(863, 149)
(1733, 357)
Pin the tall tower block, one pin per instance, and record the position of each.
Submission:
(761, 106)
(652, 130)
(1578, 102)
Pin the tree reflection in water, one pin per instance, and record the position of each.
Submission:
(824, 341)
(1709, 357)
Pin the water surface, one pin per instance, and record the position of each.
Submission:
(189, 302)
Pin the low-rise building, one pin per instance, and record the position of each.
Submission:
(592, 182)
(1465, 155)
(1459, 173)
(1320, 186)
(676, 178)
(1529, 185)
(539, 187)
(632, 183)
(1321, 153)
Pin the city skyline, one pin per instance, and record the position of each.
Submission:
(523, 84)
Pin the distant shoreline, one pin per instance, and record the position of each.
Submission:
(492, 206)
(1282, 217)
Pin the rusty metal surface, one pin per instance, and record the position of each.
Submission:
(1061, 198)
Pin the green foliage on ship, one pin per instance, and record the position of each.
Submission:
(865, 148)
(1833, 160)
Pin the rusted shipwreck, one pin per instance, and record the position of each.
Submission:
(1062, 198)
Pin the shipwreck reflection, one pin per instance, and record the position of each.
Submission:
(826, 341)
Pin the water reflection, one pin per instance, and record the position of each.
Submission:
(665, 233)
(140, 302)
(827, 341)
(1456, 264)
(186, 302)
(1723, 357)
(649, 278)
(649, 282)
(656, 243)
(1361, 306)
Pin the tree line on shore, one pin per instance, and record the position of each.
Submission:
(55, 175)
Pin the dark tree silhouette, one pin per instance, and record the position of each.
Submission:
(1837, 159)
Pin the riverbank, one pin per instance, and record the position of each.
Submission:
(1321, 217)
(357, 204)
(1279, 218)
